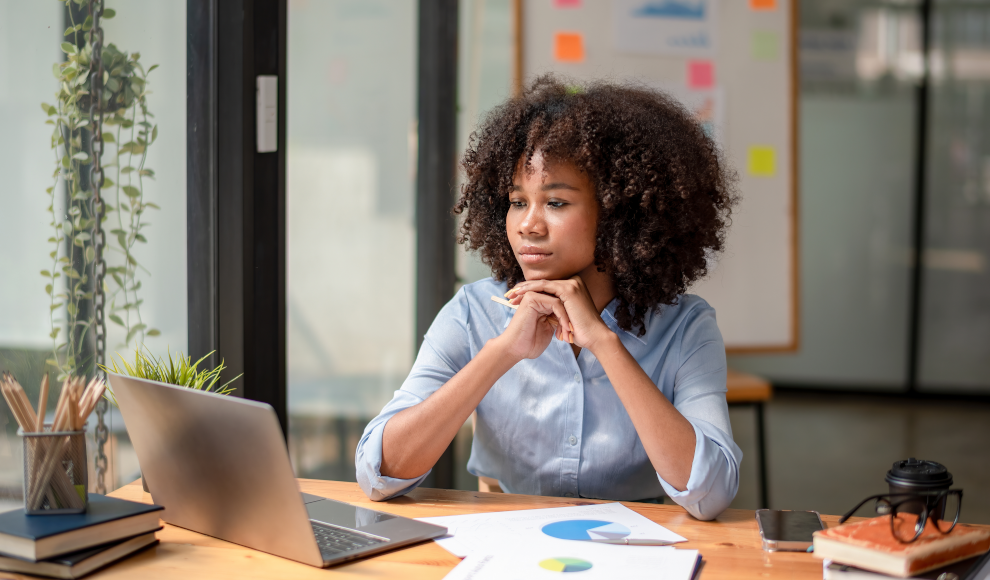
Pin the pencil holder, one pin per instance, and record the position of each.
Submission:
(55, 472)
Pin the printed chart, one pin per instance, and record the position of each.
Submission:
(594, 562)
(586, 530)
(565, 565)
(549, 531)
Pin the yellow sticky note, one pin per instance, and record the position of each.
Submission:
(762, 161)
(568, 47)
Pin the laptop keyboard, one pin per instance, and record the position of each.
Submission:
(333, 540)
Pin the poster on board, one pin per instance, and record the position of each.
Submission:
(665, 27)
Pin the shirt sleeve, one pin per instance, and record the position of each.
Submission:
(699, 395)
(446, 350)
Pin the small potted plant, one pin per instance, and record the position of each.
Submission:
(183, 373)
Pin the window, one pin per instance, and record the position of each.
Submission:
(351, 239)
(31, 46)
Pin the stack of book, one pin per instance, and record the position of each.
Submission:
(868, 550)
(73, 545)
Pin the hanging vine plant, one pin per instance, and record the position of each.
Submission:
(128, 132)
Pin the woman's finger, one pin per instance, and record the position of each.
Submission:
(567, 290)
(555, 287)
(561, 313)
(552, 310)
(566, 328)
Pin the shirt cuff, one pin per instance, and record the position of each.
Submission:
(376, 486)
(707, 468)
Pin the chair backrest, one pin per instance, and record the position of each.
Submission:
(488, 484)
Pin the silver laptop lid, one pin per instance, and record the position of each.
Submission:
(218, 465)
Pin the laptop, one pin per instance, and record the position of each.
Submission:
(219, 466)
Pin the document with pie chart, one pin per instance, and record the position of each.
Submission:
(586, 530)
(580, 562)
(562, 530)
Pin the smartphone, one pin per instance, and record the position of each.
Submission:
(786, 530)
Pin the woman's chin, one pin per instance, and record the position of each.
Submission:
(544, 274)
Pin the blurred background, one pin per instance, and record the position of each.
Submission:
(890, 352)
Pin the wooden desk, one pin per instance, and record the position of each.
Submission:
(730, 546)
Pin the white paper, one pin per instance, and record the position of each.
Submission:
(679, 27)
(595, 561)
(499, 532)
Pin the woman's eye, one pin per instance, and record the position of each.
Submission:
(556, 203)
(516, 203)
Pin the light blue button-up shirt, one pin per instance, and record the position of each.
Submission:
(554, 425)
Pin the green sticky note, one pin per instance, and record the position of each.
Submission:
(81, 490)
(762, 161)
(765, 45)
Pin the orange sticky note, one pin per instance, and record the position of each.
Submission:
(700, 74)
(568, 47)
(763, 4)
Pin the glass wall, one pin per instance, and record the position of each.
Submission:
(27, 51)
(152, 292)
(157, 32)
(351, 244)
(860, 65)
(484, 79)
(955, 324)
(859, 69)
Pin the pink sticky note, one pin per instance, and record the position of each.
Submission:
(700, 74)
(566, 3)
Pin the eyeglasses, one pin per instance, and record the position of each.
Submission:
(910, 511)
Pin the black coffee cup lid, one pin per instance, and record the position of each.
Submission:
(919, 472)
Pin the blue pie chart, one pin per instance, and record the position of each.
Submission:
(586, 530)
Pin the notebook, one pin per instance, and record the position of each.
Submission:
(81, 563)
(870, 545)
(40, 537)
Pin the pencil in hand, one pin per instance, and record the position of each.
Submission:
(505, 302)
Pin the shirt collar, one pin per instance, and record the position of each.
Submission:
(647, 319)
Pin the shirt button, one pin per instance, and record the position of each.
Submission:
(572, 440)
(568, 494)
(577, 378)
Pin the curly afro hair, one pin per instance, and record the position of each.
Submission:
(665, 194)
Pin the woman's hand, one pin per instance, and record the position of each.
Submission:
(539, 318)
(582, 324)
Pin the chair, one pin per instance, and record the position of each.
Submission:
(743, 389)
(489, 484)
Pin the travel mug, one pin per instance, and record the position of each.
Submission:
(918, 475)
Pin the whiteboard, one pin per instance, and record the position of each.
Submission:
(733, 62)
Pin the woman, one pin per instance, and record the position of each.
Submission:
(596, 208)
